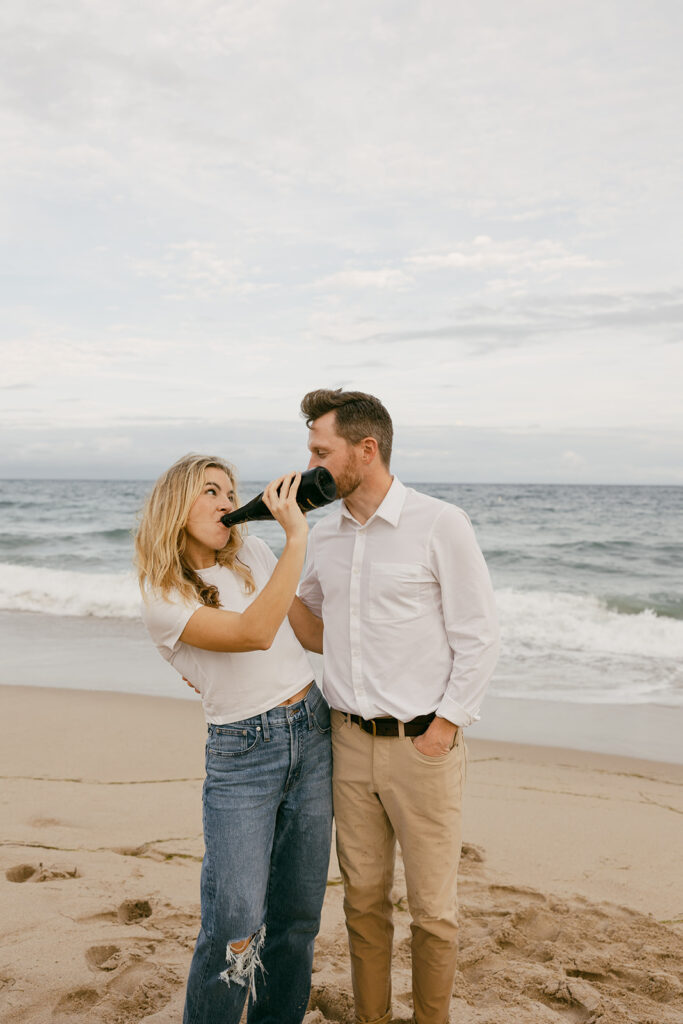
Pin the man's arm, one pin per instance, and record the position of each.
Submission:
(308, 628)
(471, 625)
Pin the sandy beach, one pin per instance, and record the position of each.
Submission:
(571, 888)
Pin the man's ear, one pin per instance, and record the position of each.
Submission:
(369, 449)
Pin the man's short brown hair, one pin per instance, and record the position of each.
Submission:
(357, 415)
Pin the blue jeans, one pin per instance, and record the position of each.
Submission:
(267, 831)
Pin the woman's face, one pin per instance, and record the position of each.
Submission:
(205, 534)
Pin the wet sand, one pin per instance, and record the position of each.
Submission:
(88, 653)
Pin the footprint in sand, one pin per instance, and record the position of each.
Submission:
(39, 873)
(77, 1001)
(473, 854)
(139, 991)
(536, 924)
(128, 912)
(21, 873)
(104, 958)
(333, 1004)
(581, 1000)
(136, 987)
(111, 957)
(521, 893)
(132, 911)
(175, 925)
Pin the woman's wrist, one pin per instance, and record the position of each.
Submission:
(296, 542)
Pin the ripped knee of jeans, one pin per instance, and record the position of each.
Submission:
(243, 958)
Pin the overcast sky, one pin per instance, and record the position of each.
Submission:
(471, 209)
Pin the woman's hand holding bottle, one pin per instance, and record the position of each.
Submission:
(280, 498)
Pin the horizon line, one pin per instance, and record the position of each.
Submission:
(459, 483)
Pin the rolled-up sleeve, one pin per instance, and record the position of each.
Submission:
(469, 612)
(310, 590)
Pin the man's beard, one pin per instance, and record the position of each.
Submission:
(349, 479)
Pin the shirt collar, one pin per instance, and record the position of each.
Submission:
(389, 510)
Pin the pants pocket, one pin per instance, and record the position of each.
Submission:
(232, 740)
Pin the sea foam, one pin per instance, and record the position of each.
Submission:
(533, 619)
(573, 647)
(555, 645)
(584, 623)
(62, 592)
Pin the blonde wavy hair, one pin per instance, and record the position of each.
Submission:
(160, 538)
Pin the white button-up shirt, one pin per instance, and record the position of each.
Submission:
(408, 609)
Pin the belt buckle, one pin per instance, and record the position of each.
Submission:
(374, 726)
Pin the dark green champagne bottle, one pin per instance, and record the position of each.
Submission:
(317, 488)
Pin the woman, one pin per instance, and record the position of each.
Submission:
(216, 605)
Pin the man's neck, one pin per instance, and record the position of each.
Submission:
(368, 496)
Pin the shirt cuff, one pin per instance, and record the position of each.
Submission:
(456, 713)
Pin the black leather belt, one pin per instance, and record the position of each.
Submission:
(389, 726)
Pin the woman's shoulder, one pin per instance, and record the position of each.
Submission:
(162, 614)
(255, 550)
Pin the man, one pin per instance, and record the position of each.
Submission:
(410, 643)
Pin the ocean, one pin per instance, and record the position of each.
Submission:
(588, 579)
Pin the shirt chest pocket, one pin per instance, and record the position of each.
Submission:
(397, 591)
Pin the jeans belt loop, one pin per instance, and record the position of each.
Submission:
(309, 713)
(265, 727)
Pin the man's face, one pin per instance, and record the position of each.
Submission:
(335, 453)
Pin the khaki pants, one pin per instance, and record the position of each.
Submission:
(383, 790)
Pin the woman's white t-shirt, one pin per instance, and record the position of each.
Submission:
(233, 685)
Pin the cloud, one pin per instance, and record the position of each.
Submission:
(521, 320)
(195, 269)
(543, 256)
(386, 279)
